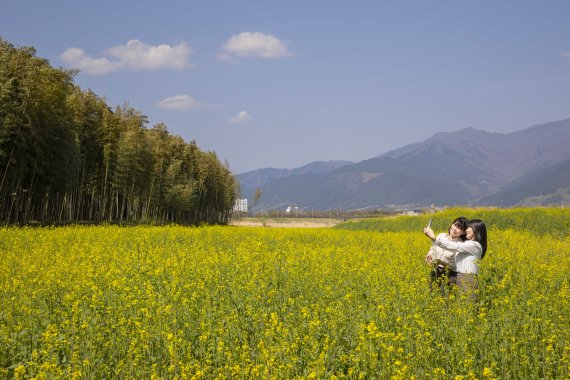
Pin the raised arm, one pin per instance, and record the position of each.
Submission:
(469, 246)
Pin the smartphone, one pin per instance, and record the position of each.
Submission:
(429, 223)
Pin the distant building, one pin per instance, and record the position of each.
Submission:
(240, 205)
(291, 209)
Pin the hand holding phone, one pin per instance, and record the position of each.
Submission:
(428, 231)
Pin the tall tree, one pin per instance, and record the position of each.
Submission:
(66, 156)
(37, 133)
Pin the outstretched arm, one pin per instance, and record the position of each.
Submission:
(470, 247)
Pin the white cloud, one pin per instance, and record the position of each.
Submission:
(139, 55)
(135, 54)
(179, 102)
(248, 44)
(77, 58)
(565, 54)
(241, 117)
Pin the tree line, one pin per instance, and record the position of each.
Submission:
(66, 156)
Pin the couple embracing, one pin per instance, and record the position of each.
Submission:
(455, 255)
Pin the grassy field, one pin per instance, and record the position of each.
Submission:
(350, 302)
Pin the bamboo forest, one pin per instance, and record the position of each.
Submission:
(66, 156)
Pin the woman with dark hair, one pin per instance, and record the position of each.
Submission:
(444, 271)
(468, 253)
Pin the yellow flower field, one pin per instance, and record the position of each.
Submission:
(260, 303)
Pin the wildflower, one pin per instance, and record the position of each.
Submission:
(19, 372)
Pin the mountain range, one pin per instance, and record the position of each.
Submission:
(466, 167)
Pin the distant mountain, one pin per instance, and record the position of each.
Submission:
(252, 180)
(549, 186)
(452, 168)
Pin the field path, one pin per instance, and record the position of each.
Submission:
(285, 223)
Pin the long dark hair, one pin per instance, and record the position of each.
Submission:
(460, 222)
(479, 233)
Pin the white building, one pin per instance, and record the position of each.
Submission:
(291, 209)
(240, 205)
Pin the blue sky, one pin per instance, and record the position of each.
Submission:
(284, 83)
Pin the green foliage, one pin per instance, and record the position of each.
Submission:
(538, 221)
(66, 156)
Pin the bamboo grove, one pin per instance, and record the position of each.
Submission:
(66, 156)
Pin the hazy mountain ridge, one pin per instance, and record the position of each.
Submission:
(450, 168)
(548, 186)
(256, 178)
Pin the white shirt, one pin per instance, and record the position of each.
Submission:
(467, 253)
(439, 254)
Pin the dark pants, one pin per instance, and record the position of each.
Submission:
(442, 278)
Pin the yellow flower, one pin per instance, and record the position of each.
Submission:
(19, 372)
